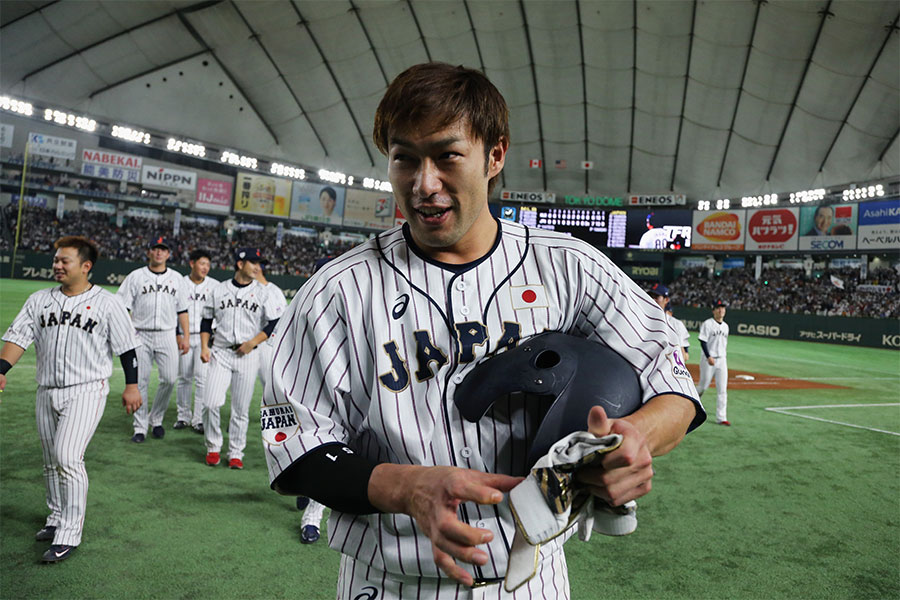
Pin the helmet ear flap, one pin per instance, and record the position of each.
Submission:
(577, 373)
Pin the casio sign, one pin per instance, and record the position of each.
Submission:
(764, 330)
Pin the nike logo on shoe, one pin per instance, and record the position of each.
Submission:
(63, 553)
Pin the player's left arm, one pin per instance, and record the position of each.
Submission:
(9, 356)
(248, 346)
(184, 341)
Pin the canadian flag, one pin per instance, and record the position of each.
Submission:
(535, 163)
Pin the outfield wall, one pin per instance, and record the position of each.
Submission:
(851, 331)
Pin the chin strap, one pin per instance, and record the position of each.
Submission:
(550, 501)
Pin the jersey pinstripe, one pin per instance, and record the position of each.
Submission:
(372, 347)
(240, 312)
(154, 299)
(197, 297)
(74, 336)
(681, 332)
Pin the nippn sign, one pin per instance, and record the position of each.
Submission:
(169, 178)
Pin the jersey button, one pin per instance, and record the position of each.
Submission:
(464, 310)
(481, 524)
(460, 285)
(458, 378)
(465, 452)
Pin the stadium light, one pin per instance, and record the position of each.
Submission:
(862, 193)
(376, 184)
(287, 171)
(703, 205)
(132, 135)
(808, 196)
(68, 119)
(16, 106)
(238, 160)
(723, 204)
(335, 177)
(756, 201)
(188, 148)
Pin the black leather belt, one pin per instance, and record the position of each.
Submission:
(485, 581)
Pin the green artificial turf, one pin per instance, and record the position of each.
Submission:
(776, 506)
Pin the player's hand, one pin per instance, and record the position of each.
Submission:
(625, 473)
(204, 355)
(432, 495)
(711, 361)
(245, 348)
(2, 382)
(131, 398)
(184, 343)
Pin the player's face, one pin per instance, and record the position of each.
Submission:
(327, 203)
(158, 256)
(250, 269)
(440, 181)
(719, 313)
(823, 218)
(68, 268)
(200, 267)
(661, 300)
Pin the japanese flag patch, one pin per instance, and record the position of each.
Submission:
(278, 423)
(528, 296)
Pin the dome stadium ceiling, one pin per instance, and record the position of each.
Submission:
(711, 99)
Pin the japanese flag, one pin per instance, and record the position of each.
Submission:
(528, 296)
(587, 165)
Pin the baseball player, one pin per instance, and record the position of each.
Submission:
(245, 313)
(714, 341)
(360, 413)
(190, 368)
(76, 328)
(158, 301)
(660, 295)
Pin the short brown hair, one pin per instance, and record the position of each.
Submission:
(440, 94)
(87, 250)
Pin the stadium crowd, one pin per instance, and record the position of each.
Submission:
(791, 291)
(296, 256)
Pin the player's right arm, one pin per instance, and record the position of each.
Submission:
(17, 338)
(9, 356)
(207, 314)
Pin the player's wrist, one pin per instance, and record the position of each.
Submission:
(5, 366)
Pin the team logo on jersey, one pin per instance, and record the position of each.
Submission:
(400, 306)
(67, 318)
(279, 423)
(528, 296)
(679, 369)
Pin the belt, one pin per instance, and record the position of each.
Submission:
(486, 581)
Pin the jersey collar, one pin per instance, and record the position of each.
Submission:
(453, 268)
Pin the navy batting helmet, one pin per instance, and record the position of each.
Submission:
(576, 372)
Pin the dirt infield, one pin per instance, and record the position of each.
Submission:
(745, 380)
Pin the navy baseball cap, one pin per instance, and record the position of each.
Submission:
(659, 289)
(720, 303)
(251, 254)
(160, 241)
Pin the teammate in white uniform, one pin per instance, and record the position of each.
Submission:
(190, 368)
(660, 295)
(714, 341)
(75, 328)
(158, 301)
(245, 314)
(360, 412)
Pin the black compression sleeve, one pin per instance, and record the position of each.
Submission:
(270, 327)
(206, 325)
(5, 366)
(332, 475)
(130, 366)
(705, 348)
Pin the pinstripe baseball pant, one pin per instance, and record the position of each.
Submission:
(720, 373)
(161, 347)
(360, 581)
(191, 370)
(228, 369)
(66, 421)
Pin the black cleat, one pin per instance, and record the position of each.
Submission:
(309, 534)
(138, 438)
(46, 534)
(179, 425)
(57, 553)
(158, 432)
(198, 428)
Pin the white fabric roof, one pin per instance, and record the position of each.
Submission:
(711, 99)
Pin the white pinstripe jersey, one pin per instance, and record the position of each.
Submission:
(154, 299)
(681, 332)
(198, 296)
(240, 312)
(372, 347)
(74, 336)
(278, 299)
(715, 335)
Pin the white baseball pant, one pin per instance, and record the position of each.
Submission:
(66, 421)
(191, 370)
(360, 581)
(720, 372)
(159, 347)
(312, 515)
(228, 369)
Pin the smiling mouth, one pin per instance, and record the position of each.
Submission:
(432, 212)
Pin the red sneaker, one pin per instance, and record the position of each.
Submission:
(235, 463)
(728, 423)
(212, 458)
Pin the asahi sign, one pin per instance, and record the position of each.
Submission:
(537, 197)
(169, 178)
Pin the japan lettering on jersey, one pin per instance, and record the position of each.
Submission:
(74, 336)
(154, 299)
(715, 335)
(371, 349)
(240, 312)
(198, 296)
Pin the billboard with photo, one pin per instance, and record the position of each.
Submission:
(828, 227)
(658, 229)
(318, 203)
(879, 225)
(719, 230)
(262, 195)
(368, 209)
(772, 229)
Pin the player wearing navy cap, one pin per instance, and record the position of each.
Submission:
(660, 295)
(158, 301)
(245, 314)
(714, 341)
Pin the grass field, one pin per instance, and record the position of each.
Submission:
(777, 506)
